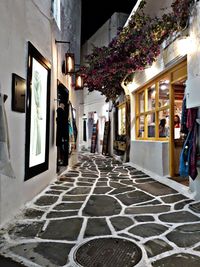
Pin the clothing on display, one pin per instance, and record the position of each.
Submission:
(72, 130)
(94, 138)
(84, 130)
(61, 126)
(188, 157)
(90, 127)
(106, 138)
(5, 164)
(184, 129)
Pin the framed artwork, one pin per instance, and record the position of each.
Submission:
(37, 113)
(18, 93)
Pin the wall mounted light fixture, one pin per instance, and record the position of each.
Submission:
(68, 66)
(78, 81)
(69, 63)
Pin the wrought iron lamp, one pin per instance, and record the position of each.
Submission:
(78, 81)
(69, 63)
(68, 67)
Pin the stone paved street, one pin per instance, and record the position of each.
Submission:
(101, 197)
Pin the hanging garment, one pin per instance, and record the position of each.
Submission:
(188, 157)
(61, 121)
(5, 164)
(74, 124)
(90, 127)
(94, 138)
(72, 142)
(191, 118)
(184, 128)
(184, 162)
(193, 157)
(84, 131)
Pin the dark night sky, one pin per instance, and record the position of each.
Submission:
(96, 12)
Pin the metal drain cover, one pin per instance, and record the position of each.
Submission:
(108, 252)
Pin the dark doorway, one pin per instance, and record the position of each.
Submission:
(62, 131)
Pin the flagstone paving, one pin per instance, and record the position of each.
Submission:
(102, 198)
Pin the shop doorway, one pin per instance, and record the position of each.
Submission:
(177, 142)
(121, 144)
(62, 131)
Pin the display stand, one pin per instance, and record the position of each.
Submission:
(106, 138)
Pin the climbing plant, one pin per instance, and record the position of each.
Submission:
(134, 48)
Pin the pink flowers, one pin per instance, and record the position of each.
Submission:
(134, 48)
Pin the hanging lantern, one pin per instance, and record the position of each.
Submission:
(69, 63)
(79, 82)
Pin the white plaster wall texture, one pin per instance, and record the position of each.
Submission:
(105, 34)
(18, 18)
(23, 21)
(152, 156)
(194, 51)
(192, 85)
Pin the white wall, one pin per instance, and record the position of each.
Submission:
(104, 35)
(22, 21)
(150, 155)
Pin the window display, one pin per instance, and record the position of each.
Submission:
(122, 119)
(152, 110)
(141, 127)
(151, 125)
(141, 102)
(151, 97)
(163, 92)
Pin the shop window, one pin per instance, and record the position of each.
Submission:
(141, 127)
(141, 102)
(151, 125)
(164, 123)
(152, 110)
(164, 92)
(122, 120)
(151, 97)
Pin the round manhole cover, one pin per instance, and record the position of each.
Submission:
(108, 252)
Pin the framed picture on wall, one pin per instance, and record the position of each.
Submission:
(37, 113)
(18, 93)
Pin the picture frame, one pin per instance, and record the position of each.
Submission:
(37, 113)
(18, 93)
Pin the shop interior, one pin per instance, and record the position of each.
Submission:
(179, 135)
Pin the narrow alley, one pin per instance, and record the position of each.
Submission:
(121, 215)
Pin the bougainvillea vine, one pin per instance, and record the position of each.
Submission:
(134, 48)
